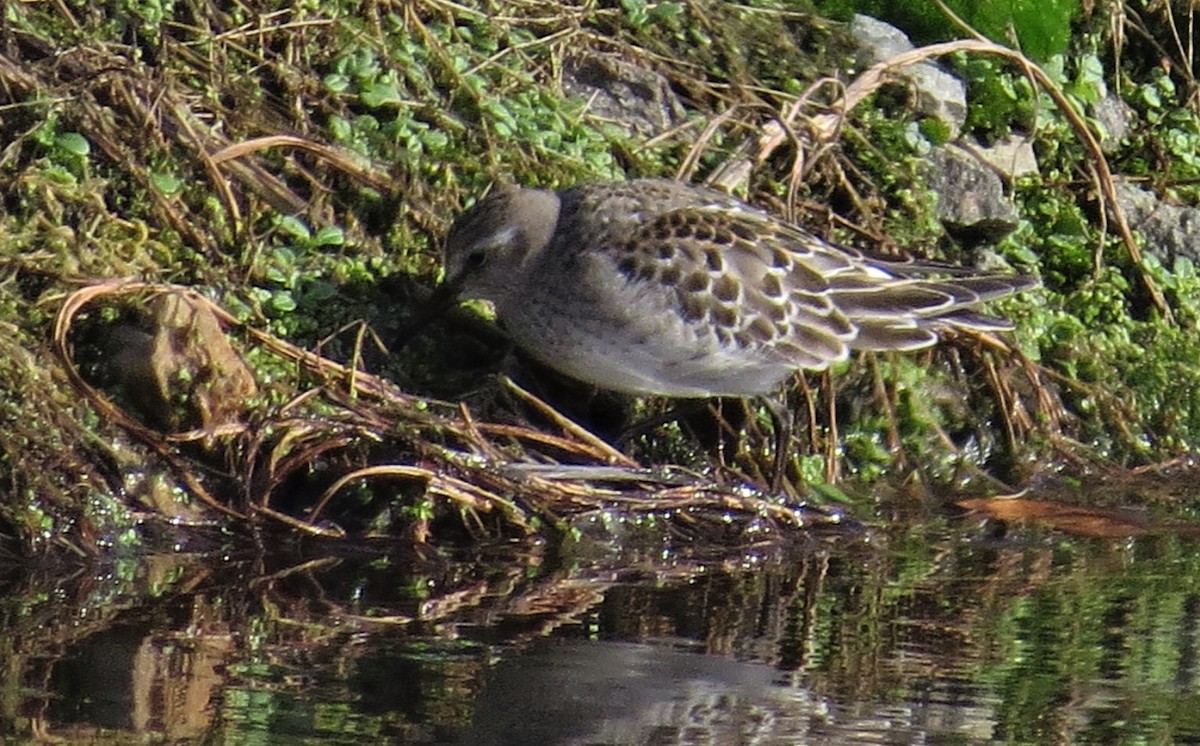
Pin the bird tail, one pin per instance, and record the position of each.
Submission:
(908, 313)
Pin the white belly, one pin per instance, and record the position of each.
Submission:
(637, 346)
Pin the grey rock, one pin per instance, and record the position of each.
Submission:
(940, 95)
(971, 199)
(936, 93)
(635, 98)
(1011, 157)
(880, 41)
(1115, 119)
(1169, 231)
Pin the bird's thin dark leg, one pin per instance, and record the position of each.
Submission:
(646, 424)
(782, 417)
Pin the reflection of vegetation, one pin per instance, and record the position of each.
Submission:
(1097, 635)
(1027, 638)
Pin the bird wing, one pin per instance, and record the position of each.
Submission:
(750, 281)
(740, 283)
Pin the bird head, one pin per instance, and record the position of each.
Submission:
(493, 245)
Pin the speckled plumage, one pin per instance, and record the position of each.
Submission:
(658, 287)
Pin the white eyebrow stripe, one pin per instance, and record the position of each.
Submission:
(501, 237)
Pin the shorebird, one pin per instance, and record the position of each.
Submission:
(656, 287)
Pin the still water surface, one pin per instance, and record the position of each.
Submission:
(946, 633)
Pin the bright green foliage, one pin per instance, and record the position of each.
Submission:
(1168, 147)
(1002, 100)
(1039, 28)
(433, 105)
(639, 13)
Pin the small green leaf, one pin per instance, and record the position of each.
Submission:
(330, 235)
(475, 82)
(283, 256)
(502, 129)
(363, 65)
(1151, 97)
(435, 140)
(336, 82)
(635, 12)
(74, 143)
(282, 301)
(168, 184)
(319, 291)
(381, 94)
(46, 133)
(666, 11)
(341, 129)
(293, 226)
(61, 175)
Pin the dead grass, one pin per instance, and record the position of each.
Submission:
(496, 478)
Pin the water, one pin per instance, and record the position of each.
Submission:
(943, 633)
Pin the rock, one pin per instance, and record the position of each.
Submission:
(637, 99)
(936, 93)
(1115, 118)
(971, 200)
(1170, 231)
(879, 41)
(180, 371)
(1011, 157)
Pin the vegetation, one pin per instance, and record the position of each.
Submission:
(1041, 30)
(298, 167)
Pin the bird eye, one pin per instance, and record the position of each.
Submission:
(475, 259)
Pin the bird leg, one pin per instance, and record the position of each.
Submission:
(677, 412)
(782, 420)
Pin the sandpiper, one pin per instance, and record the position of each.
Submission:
(655, 287)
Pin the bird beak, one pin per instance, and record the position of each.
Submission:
(442, 299)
